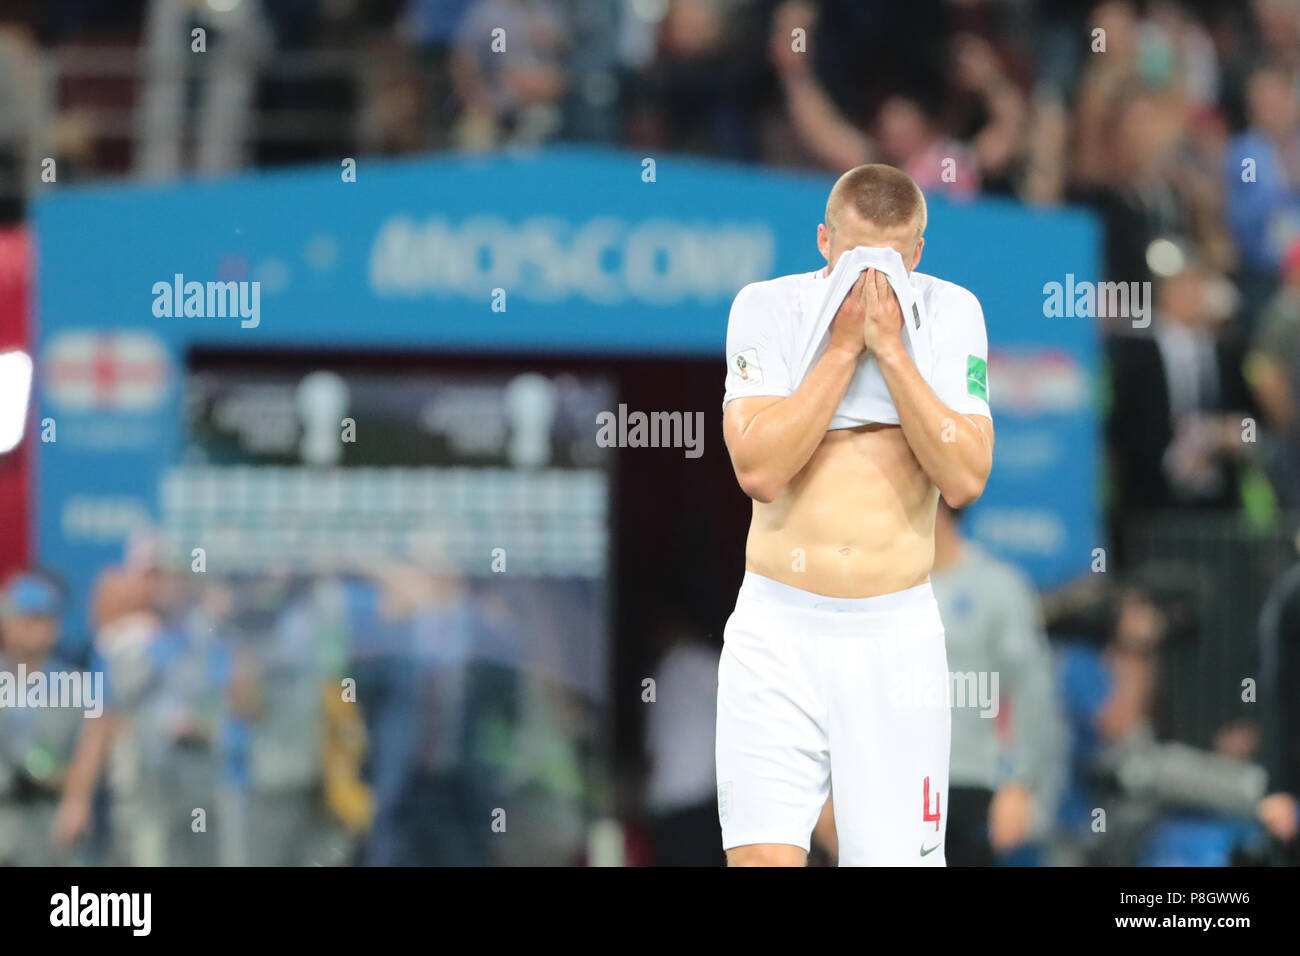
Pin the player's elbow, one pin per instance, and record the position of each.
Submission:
(758, 484)
(963, 493)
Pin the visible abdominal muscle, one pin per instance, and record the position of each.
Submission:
(858, 520)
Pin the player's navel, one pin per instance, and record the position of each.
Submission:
(846, 550)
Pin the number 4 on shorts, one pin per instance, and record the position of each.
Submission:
(926, 815)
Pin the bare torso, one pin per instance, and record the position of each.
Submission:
(857, 521)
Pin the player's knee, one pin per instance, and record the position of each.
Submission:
(767, 854)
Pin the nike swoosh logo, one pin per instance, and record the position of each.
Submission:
(925, 852)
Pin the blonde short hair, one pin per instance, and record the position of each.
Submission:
(882, 195)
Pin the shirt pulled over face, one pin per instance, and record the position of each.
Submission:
(778, 330)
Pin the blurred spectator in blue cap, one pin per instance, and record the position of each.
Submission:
(30, 594)
(36, 742)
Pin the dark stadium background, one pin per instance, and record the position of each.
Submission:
(1141, 142)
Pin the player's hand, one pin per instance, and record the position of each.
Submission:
(846, 327)
(883, 319)
(1009, 817)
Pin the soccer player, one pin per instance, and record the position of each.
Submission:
(833, 673)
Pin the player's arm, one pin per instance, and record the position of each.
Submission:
(954, 449)
(770, 438)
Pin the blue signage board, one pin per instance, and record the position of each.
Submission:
(563, 251)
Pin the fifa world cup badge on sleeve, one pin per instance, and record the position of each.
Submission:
(745, 365)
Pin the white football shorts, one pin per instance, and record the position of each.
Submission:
(820, 695)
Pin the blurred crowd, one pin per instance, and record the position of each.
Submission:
(1177, 123)
(387, 719)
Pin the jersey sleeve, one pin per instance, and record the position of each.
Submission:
(757, 363)
(961, 376)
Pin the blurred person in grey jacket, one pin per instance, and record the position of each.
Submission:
(1003, 787)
